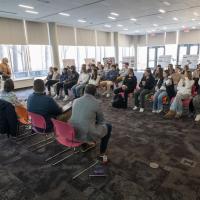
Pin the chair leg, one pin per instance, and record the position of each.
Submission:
(46, 139)
(86, 169)
(41, 146)
(27, 136)
(70, 155)
(54, 156)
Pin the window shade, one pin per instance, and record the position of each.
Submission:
(125, 40)
(12, 31)
(66, 35)
(170, 38)
(37, 33)
(85, 37)
(156, 39)
(142, 40)
(191, 37)
(103, 38)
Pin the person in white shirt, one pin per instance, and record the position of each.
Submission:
(95, 78)
(82, 81)
(184, 92)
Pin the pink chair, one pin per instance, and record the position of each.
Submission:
(38, 121)
(65, 135)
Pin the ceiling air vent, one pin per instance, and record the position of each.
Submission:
(44, 1)
(7, 12)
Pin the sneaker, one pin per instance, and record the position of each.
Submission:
(197, 119)
(56, 97)
(135, 108)
(66, 98)
(154, 111)
(103, 158)
(141, 110)
(108, 95)
(159, 111)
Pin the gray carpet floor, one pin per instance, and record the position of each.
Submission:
(137, 140)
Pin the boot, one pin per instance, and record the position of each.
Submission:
(171, 114)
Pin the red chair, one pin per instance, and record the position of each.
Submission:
(38, 121)
(65, 135)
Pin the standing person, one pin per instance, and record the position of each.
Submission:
(72, 80)
(128, 86)
(165, 89)
(63, 78)
(184, 91)
(88, 120)
(82, 81)
(54, 79)
(5, 69)
(147, 85)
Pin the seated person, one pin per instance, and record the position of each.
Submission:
(72, 80)
(176, 77)
(156, 72)
(54, 79)
(109, 80)
(44, 105)
(184, 92)
(94, 78)
(50, 74)
(128, 86)
(5, 69)
(194, 107)
(88, 121)
(196, 77)
(82, 81)
(147, 85)
(123, 72)
(171, 69)
(8, 93)
(164, 89)
(63, 78)
(101, 72)
(8, 119)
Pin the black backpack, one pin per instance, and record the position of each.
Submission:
(118, 101)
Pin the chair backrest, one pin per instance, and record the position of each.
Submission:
(37, 120)
(22, 114)
(64, 132)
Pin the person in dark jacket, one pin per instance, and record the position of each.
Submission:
(128, 86)
(72, 80)
(8, 119)
(42, 104)
(63, 78)
(147, 85)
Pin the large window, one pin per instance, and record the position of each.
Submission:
(153, 54)
(125, 52)
(141, 58)
(171, 49)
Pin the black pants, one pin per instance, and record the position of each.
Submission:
(68, 86)
(105, 139)
(58, 87)
(140, 97)
(126, 92)
(49, 83)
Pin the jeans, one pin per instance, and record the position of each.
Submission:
(50, 83)
(177, 104)
(140, 97)
(157, 99)
(77, 89)
(105, 139)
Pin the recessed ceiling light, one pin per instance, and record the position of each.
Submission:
(133, 19)
(153, 30)
(115, 14)
(119, 25)
(82, 21)
(125, 29)
(162, 11)
(64, 14)
(175, 19)
(26, 6)
(196, 14)
(193, 19)
(183, 26)
(155, 25)
(107, 26)
(32, 12)
(166, 3)
(110, 17)
(194, 27)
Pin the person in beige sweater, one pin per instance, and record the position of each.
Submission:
(176, 77)
(5, 69)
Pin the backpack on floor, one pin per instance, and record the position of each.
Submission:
(118, 101)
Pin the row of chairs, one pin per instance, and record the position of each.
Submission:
(64, 134)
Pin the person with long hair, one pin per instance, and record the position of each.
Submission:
(94, 78)
(184, 91)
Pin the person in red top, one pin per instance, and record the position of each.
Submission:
(5, 69)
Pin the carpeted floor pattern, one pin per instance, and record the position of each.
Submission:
(137, 140)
